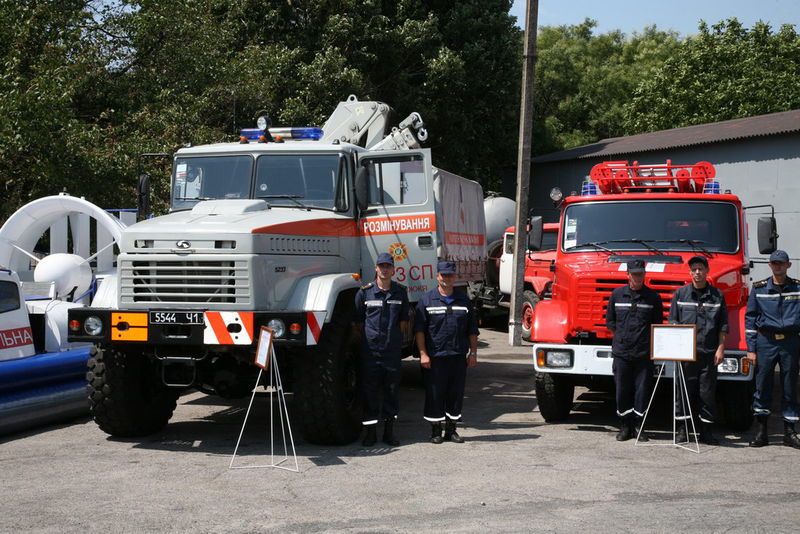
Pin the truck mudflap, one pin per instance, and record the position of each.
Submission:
(191, 327)
(596, 360)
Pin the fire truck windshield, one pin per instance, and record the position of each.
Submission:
(655, 226)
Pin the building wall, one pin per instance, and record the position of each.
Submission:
(761, 170)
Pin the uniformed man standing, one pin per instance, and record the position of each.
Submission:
(703, 305)
(772, 328)
(381, 318)
(446, 329)
(631, 310)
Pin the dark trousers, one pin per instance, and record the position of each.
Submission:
(380, 382)
(785, 353)
(444, 387)
(632, 379)
(701, 384)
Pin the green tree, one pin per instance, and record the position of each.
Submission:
(725, 72)
(584, 81)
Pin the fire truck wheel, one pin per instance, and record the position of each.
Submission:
(126, 396)
(737, 398)
(327, 393)
(554, 394)
(529, 301)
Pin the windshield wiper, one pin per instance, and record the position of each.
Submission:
(643, 242)
(293, 198)
(596, 244)
(694, 243)
(195, 198)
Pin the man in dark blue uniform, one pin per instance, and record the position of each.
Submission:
(382, 317)
(702, 305)
(772, 328)
(631, 310)
(446, 329)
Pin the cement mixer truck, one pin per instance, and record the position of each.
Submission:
(278, 229)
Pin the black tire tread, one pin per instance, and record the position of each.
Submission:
(554, 395)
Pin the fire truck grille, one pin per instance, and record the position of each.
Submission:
(200, 282)
(593, 295)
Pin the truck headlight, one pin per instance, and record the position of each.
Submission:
(729, 366)
(93, 325)
(558, 358)
(277, 326)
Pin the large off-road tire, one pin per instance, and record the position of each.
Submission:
(529, 302)
(327, 389)
(126, 395)
(554, 394)
(737, 403)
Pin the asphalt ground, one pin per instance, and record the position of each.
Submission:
(515, 473)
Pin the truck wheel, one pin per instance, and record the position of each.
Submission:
(554, 394)
(126, 396)
(529, 301)
(737, 403)
(327, 392)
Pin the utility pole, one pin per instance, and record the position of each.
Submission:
(523, 172)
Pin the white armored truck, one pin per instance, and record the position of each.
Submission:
(279, 230)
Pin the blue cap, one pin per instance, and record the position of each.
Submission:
(446, 267)
(779, 255)
(636, 266)
(384, 257)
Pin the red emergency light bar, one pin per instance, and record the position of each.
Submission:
(612, 177)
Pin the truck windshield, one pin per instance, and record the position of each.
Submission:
(9, 296)
(651, 225)
(210, 178)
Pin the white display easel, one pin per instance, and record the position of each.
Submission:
(266, 360)
(675, 343)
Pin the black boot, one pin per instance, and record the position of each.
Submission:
(682, 435)
(790, 438)
(761, 438)
(450, 433)
(436, 433)
(371, 436)
(638, 432)
(388, 433)
(706, 436)
(625, 430)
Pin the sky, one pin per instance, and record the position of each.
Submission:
(682, 16)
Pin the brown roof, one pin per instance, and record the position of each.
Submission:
(715, 132)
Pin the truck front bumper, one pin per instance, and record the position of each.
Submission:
(189, 327)
(596, 360)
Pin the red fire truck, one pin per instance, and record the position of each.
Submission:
(663, 214)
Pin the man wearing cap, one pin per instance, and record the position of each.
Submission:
(446, 329)
(702, 305)
(381, 318)
(772, 328)
(631, 310)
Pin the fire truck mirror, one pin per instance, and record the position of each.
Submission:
(362, 188)
(143, 194)
(767, 235)
(535, 233)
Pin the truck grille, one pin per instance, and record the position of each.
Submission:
(593, 295)
(177, 281)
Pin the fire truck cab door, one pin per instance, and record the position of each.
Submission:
(400, 217)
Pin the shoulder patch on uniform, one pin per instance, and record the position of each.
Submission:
(760, 283)
(367, 286)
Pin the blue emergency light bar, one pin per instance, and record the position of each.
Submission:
(312, 133)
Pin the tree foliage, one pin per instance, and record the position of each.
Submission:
(725, 72)
(584, 81)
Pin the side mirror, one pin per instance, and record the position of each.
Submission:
(143, 195)
(767, 235)
(535, 233)
(362, 188)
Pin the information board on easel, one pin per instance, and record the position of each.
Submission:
(675, 343)
(265, 360)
